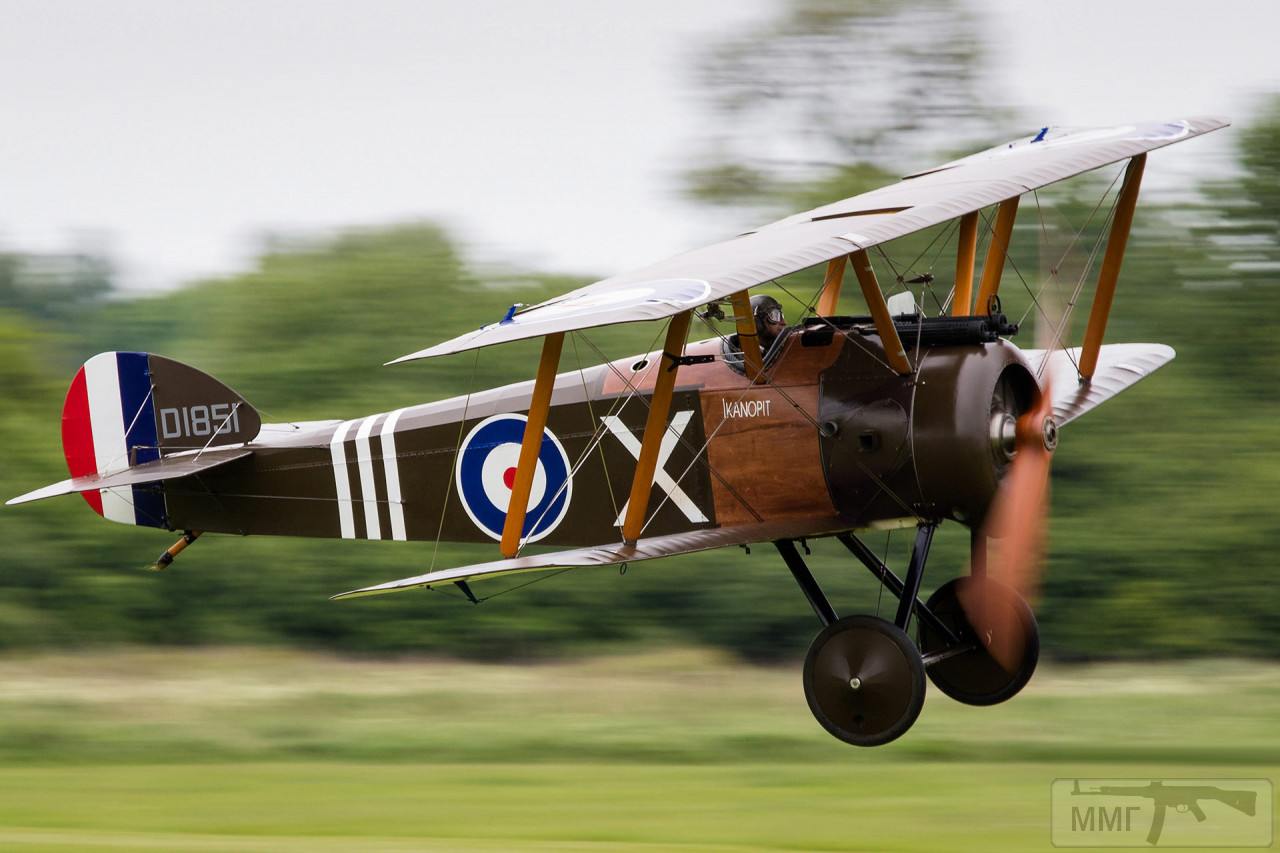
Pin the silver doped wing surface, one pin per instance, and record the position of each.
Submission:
(608, 555)
(916, 202)
(1120, 366)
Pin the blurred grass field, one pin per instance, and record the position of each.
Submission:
(251, 749)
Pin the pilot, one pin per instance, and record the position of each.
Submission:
(770, 321)
(770, 324)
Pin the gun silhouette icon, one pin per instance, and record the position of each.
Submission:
(1184, 798)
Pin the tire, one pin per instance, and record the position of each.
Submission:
(864, 680)
(974, 677)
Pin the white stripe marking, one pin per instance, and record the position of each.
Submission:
(391, 471)
(368, 495)
(106, 420)
(661, 478)
(338, 453)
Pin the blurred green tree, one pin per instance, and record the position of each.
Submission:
(1163, 525)
(830, 98)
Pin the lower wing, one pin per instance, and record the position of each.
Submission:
(608, 555)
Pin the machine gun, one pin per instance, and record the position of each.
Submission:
(1184, 798)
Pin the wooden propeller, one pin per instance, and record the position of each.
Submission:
(1017, 521)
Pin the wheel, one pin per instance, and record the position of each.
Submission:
(864, 680)
(974, 677)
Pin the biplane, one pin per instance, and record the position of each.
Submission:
(776, 432)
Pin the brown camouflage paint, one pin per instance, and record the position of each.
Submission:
(893, 447)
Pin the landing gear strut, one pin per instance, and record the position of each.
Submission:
(864, 678)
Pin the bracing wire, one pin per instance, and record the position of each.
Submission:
(596, 437)
(586, 393)
(457, 447)
(684, 442)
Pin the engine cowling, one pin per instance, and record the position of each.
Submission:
(934, 444)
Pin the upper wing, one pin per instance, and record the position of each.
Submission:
(606, 555)
(164, 468)
(1119, 367)
(917, 201)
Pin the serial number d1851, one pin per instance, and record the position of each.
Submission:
(199, 421)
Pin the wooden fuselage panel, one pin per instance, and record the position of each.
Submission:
(743, 453)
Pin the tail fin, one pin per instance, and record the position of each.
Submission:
(127, 408)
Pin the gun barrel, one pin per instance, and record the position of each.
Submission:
(1127, 791)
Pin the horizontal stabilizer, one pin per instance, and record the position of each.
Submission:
(608, 555)
(164, 468)
(1119, 367)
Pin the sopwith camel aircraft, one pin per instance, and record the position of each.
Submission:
(777, 433)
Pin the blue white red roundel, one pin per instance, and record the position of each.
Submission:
(486, 471)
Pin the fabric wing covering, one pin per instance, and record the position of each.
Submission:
(917, 201)
(1119, 367)
(608, 555)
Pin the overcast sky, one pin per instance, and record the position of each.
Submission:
(546, 134)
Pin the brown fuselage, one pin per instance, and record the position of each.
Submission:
(833, 432)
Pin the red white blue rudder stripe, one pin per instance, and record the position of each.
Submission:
(109, 424)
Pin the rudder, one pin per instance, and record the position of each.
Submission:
(128, 408)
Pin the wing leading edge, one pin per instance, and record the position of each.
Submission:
(916, 202)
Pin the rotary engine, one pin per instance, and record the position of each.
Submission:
(934, 444)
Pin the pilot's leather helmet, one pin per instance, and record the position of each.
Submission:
(769, 318)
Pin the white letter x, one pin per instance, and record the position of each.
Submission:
(661, 478)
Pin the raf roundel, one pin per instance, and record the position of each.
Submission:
(486, 471)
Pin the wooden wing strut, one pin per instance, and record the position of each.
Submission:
(656, 425)
(1110, 272)
(893, 351)
(831, 287)
(993, 266)
(513, 527)
(748, 339)
(966, 254)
